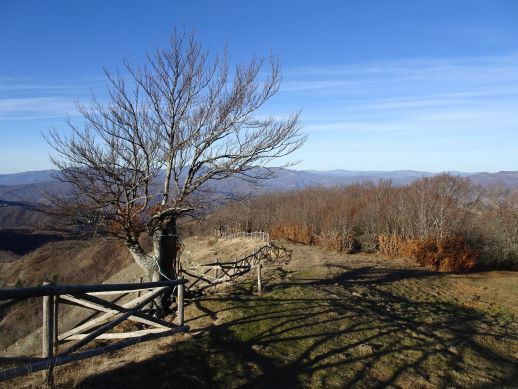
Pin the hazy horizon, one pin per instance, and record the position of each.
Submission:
(324, 171)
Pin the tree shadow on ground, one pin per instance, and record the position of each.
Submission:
(316, 333)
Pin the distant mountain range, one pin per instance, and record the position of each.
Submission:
(21, 194)
(32, 186)
(31, 177)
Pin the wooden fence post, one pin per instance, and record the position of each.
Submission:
(48, 335)
(56, 327)
(140, 282)
(259, 282)
(180, 305)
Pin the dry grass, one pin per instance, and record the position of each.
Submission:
(67, 262)
(330, 320)
(202, 250)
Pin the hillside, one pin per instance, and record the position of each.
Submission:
(86, 262)
(15, 214)
(22, 194)
(67, 262)
(30, 177)
(327, 320)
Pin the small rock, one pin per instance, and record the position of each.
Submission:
(365, 349)
(454, 350)
(257, 348)
(357, 294)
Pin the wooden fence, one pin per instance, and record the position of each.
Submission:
(108, 315)
(204, 278)
(264, 236)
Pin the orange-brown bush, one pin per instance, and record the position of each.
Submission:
(336, 241)
(392, 246)
(446, 254)
(295, 232)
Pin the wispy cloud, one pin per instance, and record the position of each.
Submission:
(416, 107)
(9, 87)
(404, 87)
(433, 114)
(33, 107)
(28, 99)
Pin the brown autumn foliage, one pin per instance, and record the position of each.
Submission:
(393, 246)
(299, 233)
(443, 222)
(336, 241)
(445, 254)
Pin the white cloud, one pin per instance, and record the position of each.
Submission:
(431, 114)
(34, 107)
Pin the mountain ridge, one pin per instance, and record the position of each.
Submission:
(34, 186)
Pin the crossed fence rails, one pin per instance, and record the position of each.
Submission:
(108, 315)
(264, 236)
(205, 278)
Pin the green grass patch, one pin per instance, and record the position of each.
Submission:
(327, 334)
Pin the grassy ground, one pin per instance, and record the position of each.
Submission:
(329, 320)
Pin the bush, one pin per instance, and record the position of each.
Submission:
(446, 254)
(392, 246)
(336, 241)
(295, 232)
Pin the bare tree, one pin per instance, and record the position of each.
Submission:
(141, 160)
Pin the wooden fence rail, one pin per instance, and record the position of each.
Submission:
(207, 276)
(111, 315)
(261, 235)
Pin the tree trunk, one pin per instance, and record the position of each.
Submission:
(165, 240)
(161, 264)
(145, 261)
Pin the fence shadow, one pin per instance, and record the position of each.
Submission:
(317, 333)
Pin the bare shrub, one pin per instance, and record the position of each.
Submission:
(295, 232)
(499, 223)
(337, 241)
(391, 245)
(330, 240)
(351, 245)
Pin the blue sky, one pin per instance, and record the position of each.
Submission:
(383, 85)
